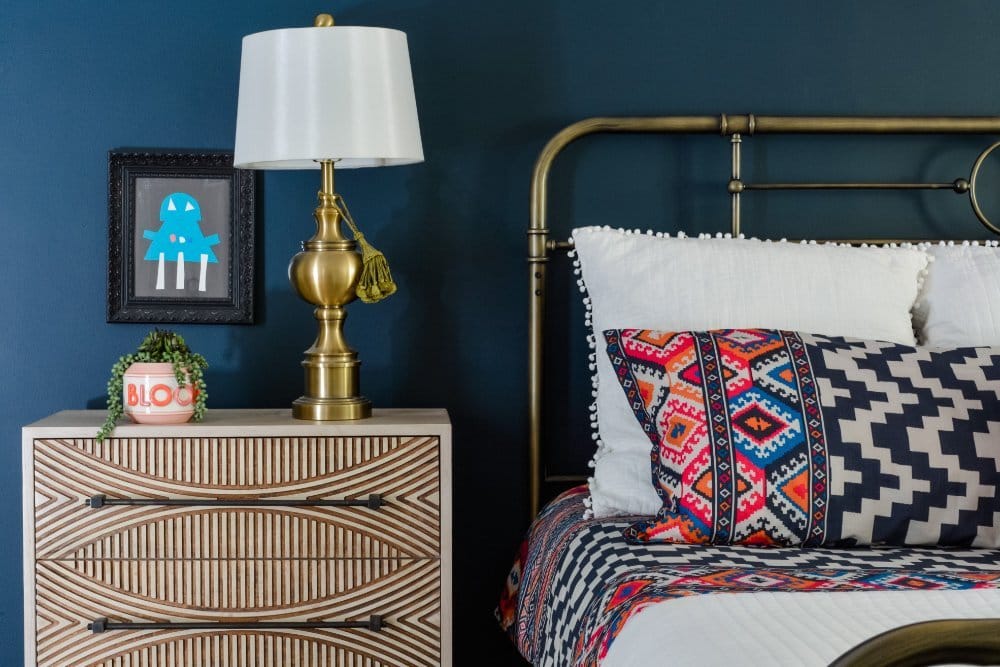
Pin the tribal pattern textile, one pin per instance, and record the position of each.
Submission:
(777, 438)
(577, 582)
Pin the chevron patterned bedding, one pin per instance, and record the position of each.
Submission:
(577, 582)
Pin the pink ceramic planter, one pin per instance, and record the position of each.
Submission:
(150, 395)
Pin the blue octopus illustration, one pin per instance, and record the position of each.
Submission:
(179, 239)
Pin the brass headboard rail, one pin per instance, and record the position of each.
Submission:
(735, 127)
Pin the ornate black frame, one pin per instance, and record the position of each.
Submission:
(124, 167)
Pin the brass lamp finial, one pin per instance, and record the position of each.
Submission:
(323, 21)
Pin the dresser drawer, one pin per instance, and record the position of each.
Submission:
(404, 593)
(264, 473)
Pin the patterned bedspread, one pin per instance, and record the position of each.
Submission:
(576, 581)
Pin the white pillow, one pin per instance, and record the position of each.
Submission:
(653, 281)
(959, 305)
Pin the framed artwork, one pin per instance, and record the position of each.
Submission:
(180, 238)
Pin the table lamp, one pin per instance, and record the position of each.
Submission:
(313, 98)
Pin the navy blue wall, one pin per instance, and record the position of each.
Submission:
(493, 82)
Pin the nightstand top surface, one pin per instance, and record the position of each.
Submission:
(256, 422)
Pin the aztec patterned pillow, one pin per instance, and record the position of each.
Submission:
(767, 437)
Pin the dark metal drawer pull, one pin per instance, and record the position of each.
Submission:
(375, 623)
(374, 501)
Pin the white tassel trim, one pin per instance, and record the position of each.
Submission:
(594, 417)
(743, 237)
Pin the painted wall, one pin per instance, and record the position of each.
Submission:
(493, 82)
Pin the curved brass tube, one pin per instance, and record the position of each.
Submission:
(662, 124)
(973, 181)
(966, 641)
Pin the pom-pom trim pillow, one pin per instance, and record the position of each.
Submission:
(768, 437)
(656, 281)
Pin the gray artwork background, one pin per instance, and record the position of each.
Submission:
(214, 195)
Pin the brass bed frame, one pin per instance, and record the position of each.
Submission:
(977, 642)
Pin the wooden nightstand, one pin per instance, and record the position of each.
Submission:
(249, 539)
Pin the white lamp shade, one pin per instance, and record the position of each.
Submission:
(330, 93)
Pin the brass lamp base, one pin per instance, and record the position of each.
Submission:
(326, 275)
(315, 409)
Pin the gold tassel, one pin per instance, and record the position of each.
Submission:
(376, 281)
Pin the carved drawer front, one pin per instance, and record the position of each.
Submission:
(268, 488)
(404, 595)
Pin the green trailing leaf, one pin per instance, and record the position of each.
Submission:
(158, 346)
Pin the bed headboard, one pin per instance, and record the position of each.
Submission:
(736, 129)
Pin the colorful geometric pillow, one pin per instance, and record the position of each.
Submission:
(767, 437)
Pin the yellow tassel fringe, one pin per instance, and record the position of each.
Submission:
(376, 281)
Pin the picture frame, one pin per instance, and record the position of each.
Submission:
(181, 228)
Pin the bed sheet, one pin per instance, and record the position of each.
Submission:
(577, 586)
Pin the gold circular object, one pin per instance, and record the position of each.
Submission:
(972, 189)
(323, 21)
(326, 277)
(347, 409)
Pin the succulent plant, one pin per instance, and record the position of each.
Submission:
(158, 346)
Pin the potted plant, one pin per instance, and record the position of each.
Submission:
(161, 382)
